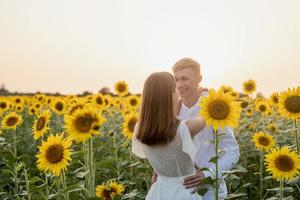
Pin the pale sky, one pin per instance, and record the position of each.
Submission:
(73, 46)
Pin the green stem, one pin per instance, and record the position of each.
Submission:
(116, 154)
(16, 164)
(261, 175)
(27, 184)
(64, 182)
(296, 135)
(281, 190)
(91, 168)
(217, 165)
(131, 169)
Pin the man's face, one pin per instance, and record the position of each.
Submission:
(186, 81)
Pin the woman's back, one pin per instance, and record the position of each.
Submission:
(170, 160)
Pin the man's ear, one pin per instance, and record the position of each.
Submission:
(200, 78)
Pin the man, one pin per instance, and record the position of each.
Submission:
(188, 77)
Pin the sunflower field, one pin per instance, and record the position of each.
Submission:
(79, 147)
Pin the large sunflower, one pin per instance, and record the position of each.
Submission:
(40, 126)
(11, 120)
(283, 163)
(54, 154)
(84, 123)
(121, 88)
(263, 107)
(249, 86)
(129, 123)
(289, 103)
(220, 109)
(109, 190)
(263, 141)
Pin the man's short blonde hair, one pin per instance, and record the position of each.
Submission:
(186, 63)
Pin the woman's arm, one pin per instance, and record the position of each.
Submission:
(195, 125)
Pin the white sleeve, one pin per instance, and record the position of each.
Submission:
(137, 149)
(189, 145)
(230, 152)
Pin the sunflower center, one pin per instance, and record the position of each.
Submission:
(55, 153)
(59, 106)
(249, 87)
(133, 102)
(121, 87)
(131, 124)
(12, 121)
(275, 99)
(84, 123)
(218, 110)
(284, 163)
(263, 141)
(40, 123)
(18, 100)
(99, 100)
(244, 104)
(3, 105)
(292, 104)
(262, 108)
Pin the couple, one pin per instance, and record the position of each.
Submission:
(175, 139)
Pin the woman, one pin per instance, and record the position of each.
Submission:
(164, 141)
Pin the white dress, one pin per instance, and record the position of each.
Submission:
(172, 162)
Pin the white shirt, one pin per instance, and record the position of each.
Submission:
(229, 157)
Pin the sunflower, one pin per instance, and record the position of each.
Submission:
(274, 98)
(40, 126)
(226, 88)
(11, 120)
(220, 109)
(121, 88)
(289, 103)
(84, 123)
(263, 106)
(19, 108)
(263, 141)
(32, 110)
(109, 190)
(18, 100)
(129, 123)
(244, 104)
(272, 127)
(249, 111)
(59, 106)
(4, 105)
(249, 86)
(98, 100)
(75, 106)
(133, 101)
(283, 163)
(54, 154)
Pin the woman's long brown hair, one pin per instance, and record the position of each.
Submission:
(158, 122)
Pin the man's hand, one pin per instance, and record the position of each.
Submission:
(201, 89)
(154, 177)
(194, 181)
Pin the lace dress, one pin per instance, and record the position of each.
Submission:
(172, 162)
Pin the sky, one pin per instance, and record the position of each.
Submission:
(72, 46)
